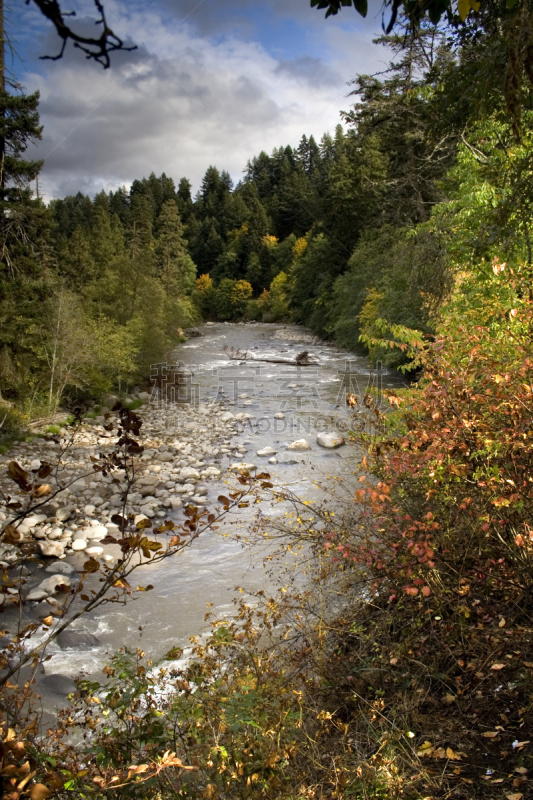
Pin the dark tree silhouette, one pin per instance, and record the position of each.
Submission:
(96, 48)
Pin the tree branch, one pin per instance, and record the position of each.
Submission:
(96, 48)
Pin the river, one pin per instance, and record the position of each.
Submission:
(311, 399)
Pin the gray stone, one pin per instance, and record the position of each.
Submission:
(68, 640)
(63, 568)
(299, 444)
(189, 472)
(52, 584)
(94, 551)
(330, 440)
(37, 594)
(266, 451)
(51, 549)
(34, 520)
(96, 532)
(63, 514)
(144, 396)
(59, 684)
(242, 467)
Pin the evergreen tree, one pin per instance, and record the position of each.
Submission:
(176, 268)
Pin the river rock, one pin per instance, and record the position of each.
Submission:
(94, 551)
(144, 396)
(273, 460)
(242, 467)
(96, 532)
(37, 594)
(149, 480)
(189, 472)
(63, 514)
(51, 549)
(79, 544)
(266, 451)
(55, 533)
(52, 584)
(34, 520)
(330, 440)
(89, 510)
(211, 472)
(81, 640)
(59, 684)
(175, 502)
(226, 416)
(299, 444)
(63, 568)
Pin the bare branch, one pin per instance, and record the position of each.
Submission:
(96, 48)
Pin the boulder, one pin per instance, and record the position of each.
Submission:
(63, 568)
(63, 514)
(144, 396)
(266, 451)
(299, 444)
(51, 585)
(330, 440)
(189, 472)
(94, 551)
(242, 467)
(59, 684)
(51, 549)
(81, 640)
(34, 520)
(96, 532)
(37, 594)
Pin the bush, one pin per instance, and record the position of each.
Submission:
(231, 298)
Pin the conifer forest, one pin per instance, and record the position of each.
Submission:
(392, 656)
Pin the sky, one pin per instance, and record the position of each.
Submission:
(212, 82)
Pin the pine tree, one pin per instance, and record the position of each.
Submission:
(176, 268)
(24, 234)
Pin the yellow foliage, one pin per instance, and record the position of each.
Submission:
(270, 241)
(300, 246)
(203, 284)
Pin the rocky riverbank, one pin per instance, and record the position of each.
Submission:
(183, 448)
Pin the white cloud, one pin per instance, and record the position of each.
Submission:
(184, 101)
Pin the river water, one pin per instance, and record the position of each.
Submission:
(312, 399)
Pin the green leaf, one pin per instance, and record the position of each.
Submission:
(361, 6)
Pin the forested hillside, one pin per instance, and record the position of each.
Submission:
(395, 661)
(374, 224)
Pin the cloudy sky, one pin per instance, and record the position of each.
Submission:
(211, 82)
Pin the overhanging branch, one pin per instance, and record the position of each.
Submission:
(98, 48)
